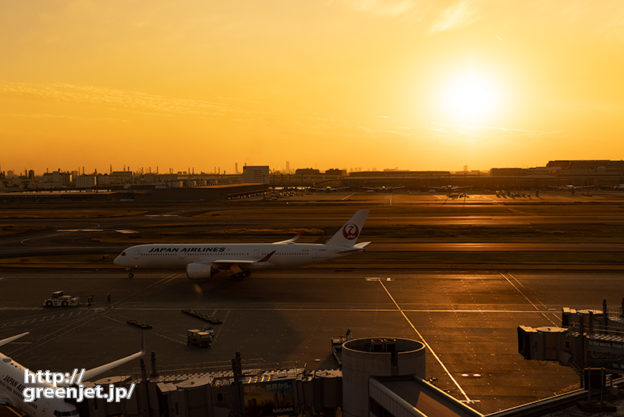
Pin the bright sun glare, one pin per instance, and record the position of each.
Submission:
(470, 98)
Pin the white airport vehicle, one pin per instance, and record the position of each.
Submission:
(59, 299)
(199, 338)
(12, 385)
(202, 260)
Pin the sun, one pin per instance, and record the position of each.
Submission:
(470, 98)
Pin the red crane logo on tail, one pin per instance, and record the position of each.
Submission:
(350, 231)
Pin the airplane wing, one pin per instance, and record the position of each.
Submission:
(12, 338)
(107, 367)
(291, 240)
(233, 262)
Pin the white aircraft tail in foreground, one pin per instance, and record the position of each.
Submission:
(202, 260)
(12, 385)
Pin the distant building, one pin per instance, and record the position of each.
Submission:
(587, 165)
(307, 171)
(508, 171)
(115, 178)
(120, 177)
(256, 174)
(55, 179)
(337, 172)
(102, 180)
(84, 181)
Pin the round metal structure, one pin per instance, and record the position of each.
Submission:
(376, 357)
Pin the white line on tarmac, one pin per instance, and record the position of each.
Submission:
(517, 288)
(425, 343)
(220, 328)
(344, 198)
(540, 303)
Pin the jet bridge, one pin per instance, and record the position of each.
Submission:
(586, 339)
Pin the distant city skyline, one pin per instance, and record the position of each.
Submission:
(218, 170)
(425, 85)
(240, 166)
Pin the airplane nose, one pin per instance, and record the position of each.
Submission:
(122, 259)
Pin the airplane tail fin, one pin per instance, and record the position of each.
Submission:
(347, 235)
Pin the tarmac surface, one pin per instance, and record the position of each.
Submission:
(286, 319)
(279, 319)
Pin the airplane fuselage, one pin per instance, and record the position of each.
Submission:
(179, 255)
(11, 391)
(202, 259)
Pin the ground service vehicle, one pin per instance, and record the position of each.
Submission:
(59, 299)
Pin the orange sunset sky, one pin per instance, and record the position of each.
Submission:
(320, 83)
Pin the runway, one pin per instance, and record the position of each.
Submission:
(498, 247)
(374, 247)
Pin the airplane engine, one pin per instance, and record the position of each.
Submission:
(196, 271)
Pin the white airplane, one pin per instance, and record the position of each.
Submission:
(12, 385)
(450, 188)
(328, 189)
(201, 260)
(383, 188)
(571, 187)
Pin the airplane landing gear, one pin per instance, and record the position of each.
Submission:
(241, 275)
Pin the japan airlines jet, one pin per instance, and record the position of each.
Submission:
(12, 386)
(203, 259)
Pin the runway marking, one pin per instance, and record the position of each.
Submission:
(516, 287)
(220, 328)
(344, 198)
(163, 281)
(156, 285)
(64, 329)
(425, 342)
(539, 302)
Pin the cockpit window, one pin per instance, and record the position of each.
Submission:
(123, 253)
